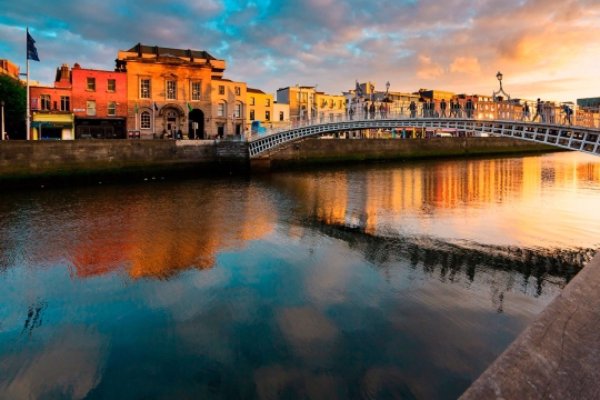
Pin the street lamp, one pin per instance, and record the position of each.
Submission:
(499, 76)
(2, 133)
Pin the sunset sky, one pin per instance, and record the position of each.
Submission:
(545, 48)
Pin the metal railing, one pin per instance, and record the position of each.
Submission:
(581, 138)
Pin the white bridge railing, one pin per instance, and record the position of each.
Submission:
(585, 139)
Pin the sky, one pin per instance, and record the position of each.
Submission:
(544, 48)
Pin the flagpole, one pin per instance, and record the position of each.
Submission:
(27, 117)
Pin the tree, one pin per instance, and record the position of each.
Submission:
(12, 92)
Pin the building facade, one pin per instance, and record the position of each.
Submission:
(228, 108)
(51, 111)
(301, 100)
(329, 107)
(170, 92)
(9, 68)
(99, 103)
(260, 108)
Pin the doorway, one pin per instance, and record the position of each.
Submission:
(196, 125)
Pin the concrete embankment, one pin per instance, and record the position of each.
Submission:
(37, 162)
(67, 162)
(320, 151)
(557, 356)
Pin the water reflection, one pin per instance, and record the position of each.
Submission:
(397, 281)
(507, 200)
(143, 233)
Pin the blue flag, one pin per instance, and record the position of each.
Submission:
(31, 50)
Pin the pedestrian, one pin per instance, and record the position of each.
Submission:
(372, 110)
(568, 113)
(538, 110)
(413, 109)
(526, 112)
(458, 110)
(443, 108)
(469, 108)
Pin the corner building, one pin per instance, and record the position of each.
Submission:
(169, 92)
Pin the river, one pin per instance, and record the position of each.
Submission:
(392, 280)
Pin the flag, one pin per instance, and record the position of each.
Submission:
(155, 107)
(135, 108)
(189, 107)
(31, 50)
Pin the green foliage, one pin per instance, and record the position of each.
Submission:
(12, 92)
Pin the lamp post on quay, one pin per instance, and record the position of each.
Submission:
(496, 94)
(2, 133)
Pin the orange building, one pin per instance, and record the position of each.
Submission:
(8, 68)
(169, 91)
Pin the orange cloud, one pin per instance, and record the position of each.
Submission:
(465, 65)
(428, 69)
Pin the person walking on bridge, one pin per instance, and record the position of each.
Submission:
(538, 110)
(525, 116)
(443, 109)
(413, 109)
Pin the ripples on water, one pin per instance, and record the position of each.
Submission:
(384, 281)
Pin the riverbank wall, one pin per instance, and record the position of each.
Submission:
(67, 162)
(31, 163)
(556, 357)
(326, 151)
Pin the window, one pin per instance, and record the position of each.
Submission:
(171, 90)
(45, 102)
(221, 110)
(145, 89)
(237, 112)
(221, 89)
(281, 116)
(91, 107)
(91, 84)
(268, 102)
(112, 108)
(111, 85)
(267, 115)
(196, 86)
(238, 91)
(145, 120)
(251, 115)
(252, 101)
(65, 103)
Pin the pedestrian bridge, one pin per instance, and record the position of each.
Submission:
(582, 139)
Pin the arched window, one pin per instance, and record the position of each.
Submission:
(145, 120)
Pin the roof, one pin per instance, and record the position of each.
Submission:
(145, 49)
(251, 90)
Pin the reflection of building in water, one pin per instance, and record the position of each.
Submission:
(364, 197)
(158, 239)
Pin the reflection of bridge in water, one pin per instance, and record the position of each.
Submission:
(582, 139)
(453, 259)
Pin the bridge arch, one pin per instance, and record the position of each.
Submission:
(582, 139)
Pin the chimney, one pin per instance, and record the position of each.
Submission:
(65, 74)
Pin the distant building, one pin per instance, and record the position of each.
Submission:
(8, 68)
(99, 103)
(301, 100)
(329, 107)
(51, 115)
(281, 114)
(590, 102)
(260, 107)
(228, 101)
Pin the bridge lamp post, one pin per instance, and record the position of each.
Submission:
(496, 95)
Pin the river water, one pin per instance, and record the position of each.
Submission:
(379, 281)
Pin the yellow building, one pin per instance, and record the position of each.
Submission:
(228, 102)
(306, 104)
(260, 108)
(170, 91)
(329, 107)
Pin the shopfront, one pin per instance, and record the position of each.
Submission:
(49, 126)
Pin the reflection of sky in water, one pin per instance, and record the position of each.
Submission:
(284, 287)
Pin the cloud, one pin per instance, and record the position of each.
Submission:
(457, 44)
(466, 65)
(428, 69)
